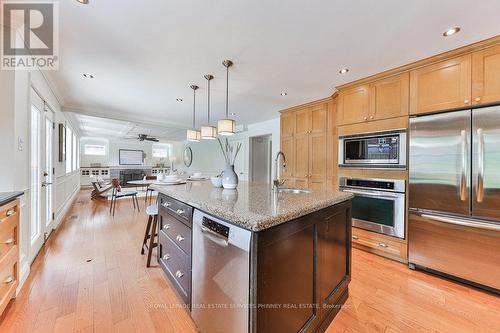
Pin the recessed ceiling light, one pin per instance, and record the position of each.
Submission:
(178, 99)
(344, 71)
(88, 76)
(85, 2)
(451, 32)
(284, 93)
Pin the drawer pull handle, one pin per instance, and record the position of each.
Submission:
(166, 204)
(179, 274)
(166, 226)
(180, 211)
(10, 213)
(179, 238)
(166, 257)
(354, 237)
(9, 241)
(466, 101)
(477, 99)
(382, 245)
(9, 280)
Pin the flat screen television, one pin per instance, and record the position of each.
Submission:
(131, 157)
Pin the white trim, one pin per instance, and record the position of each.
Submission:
(24, 272)
(65, 208)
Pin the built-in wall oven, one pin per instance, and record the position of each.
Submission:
(373, 150)
(378, 204)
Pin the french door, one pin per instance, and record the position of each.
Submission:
(42, 173)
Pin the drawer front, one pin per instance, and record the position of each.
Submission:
(178, 232)
(8, 236)
(176, 264)
(178, 209)
(378, 242)
(8, 277)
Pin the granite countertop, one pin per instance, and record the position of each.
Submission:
(252, 206)
(6, 197)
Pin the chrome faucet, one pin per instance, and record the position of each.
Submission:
(277, 182)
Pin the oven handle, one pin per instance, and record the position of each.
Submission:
(214, 237)
(377, 194)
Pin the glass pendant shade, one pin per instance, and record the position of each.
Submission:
(193, 135)
(208, 132)
(226, 127)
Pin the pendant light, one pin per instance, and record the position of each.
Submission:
(227, 126)
(194, 134)
(208, 132)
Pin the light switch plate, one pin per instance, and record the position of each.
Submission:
(20, 144)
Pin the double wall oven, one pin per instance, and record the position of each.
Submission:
(378, 204)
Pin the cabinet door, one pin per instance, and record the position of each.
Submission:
(390, 97)
(319, 118)
(353, 105)
(486, 76)
(301, 156)
(302, 121)
(301, 183)
(287, 149)
(287, 124)
(317, 156)
(441, 86)
(332, 114)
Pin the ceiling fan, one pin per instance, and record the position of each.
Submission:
(143, 137)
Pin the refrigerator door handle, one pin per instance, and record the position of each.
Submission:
(462, 222)
(463, 177)
(480, 166)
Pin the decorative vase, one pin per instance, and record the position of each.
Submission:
(229, 178)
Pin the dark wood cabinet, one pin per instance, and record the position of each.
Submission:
(174, 244)
(303, 270)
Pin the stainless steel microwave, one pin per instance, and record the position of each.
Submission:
(373, 150)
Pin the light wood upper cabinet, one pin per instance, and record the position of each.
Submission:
(300, 155)
(302, 121)
(389, 97)
(353, 105)
(486, 75)
(317, 155)
(287, 124)
(287, 147)
(319, 117)
(441, 86)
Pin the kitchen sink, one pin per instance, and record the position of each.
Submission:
(294, 190)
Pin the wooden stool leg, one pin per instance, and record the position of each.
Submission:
(152, 240)
(146, 233)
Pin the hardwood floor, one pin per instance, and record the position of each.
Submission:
(90, 277)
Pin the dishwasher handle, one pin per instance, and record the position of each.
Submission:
(214, 237)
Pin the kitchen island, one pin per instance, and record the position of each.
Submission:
(252, 260)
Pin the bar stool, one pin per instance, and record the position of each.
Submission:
(150, 233)
(149, 190)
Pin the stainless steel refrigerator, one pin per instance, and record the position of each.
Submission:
(454, 195)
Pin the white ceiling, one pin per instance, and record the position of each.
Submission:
(145, 54)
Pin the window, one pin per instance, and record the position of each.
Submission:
(69, 149)
(96, 150)
(160, 151)
(75, 153)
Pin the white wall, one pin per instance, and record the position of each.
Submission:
(112, 151)
(15, 108)
(208, 158)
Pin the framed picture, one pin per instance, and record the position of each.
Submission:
(62, 143)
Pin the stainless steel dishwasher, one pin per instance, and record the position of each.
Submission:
(221, 275)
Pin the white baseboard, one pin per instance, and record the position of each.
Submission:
(24, 272)
(65, 209)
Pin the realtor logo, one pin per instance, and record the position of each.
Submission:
(30, 35)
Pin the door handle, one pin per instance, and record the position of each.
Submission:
(463, 177)
(45, 184)
(462, 222)
(480, 166)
